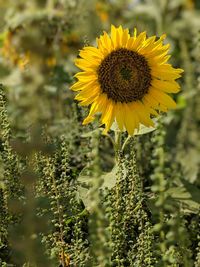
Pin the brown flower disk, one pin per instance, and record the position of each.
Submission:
(124, 76)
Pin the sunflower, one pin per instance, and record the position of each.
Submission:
(126, 79)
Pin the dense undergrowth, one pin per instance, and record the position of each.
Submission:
(63, 202)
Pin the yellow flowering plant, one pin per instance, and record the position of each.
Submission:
(126, 78)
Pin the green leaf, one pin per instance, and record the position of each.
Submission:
(85, 183)
(83, 194)
(109, 179)
(188, 195)
(193, 190)
(142, 129)
(92, 133)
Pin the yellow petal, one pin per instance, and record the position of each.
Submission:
(139, 41)
(91, 57)
(143, 114)
(130, 43)
(88, 93)
(95, 52)
(119, 115)
(79, 86)
(166, 86)
(125, 37)
(88, 101)
(149, 108)
(129, 119)
(108, 42)
(159, 50)
(108, 115)
(102, 45)
(148, 45)
(86, 76)
(155, 62)
(97, 106)
(155, 45)
(163, 98)
(150, 101)
(119, 34)
(165, 73)
(86, 65)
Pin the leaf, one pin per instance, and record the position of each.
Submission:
(178, 193)
(188, 195)
(83, 194)
(192, 189)
(92, 133)
(109, 179)
(85, 183)
(142, 129)
(190, 161)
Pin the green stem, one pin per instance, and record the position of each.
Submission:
(111, 139)
(117, 145)
(126, 142)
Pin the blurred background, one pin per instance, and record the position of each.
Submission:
(51, 167)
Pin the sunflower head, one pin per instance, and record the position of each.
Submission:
(126, 78)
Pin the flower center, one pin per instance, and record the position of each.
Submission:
(124, 76)
(126, 73)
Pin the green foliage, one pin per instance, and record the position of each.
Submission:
(64, 200)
